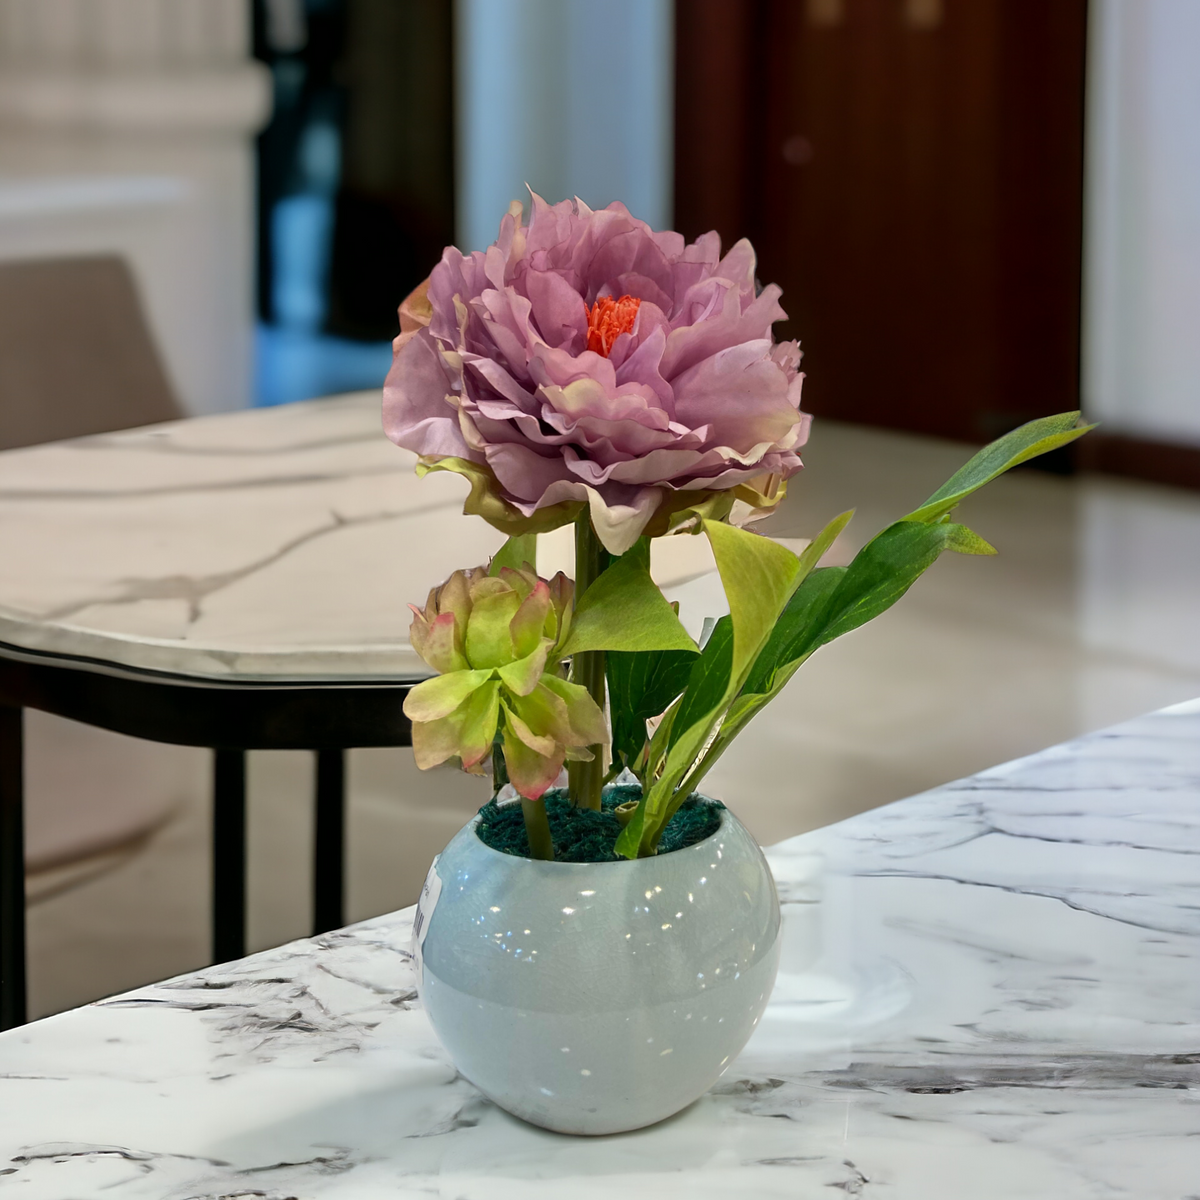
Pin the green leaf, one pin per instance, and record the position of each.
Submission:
(758, 576)
(885, 569)
(800, 607)
(833, 601)
(709, 678)
(515, 553)
(1022, 444)
(836, 600)
(816, 549)
(801, 617)
(641, 686)
(625, 610)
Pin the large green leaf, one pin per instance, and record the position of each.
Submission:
(709, 677)
(888, 566)
(515, 553)
(1022, 444)
(835, 600)
(758, 576)
(625, 610)
(832, 601)
(800, 607)
(641, 686)
(803, 615)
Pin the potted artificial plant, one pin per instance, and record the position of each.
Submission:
(593, 956)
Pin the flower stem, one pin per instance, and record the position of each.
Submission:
(587, 669)
(537, 829)
(499, 766)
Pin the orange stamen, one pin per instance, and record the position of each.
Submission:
(608, 319)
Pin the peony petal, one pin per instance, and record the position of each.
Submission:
(438, 642)
(738, 265)
(415, 414)
(488, 641)
(543, 744)
(642, 366)
(588, 726)
(562, 600)
(529, 772)
(440, 696)
(467, 733)
(522, 676)
(523, 582)
(454, 596)
(618, 526)
(530, 619)
(557, 310)
(544, 713)
(523, 473)
(727, 326)
(741, 393)
(415, 313)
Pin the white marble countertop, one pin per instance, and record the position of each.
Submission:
(278, 543)
(995, 993)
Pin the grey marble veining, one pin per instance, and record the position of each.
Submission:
(988, 991)
(273, 543)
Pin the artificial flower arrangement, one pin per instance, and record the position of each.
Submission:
(588, 370)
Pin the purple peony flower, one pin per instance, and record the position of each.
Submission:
(586, 359)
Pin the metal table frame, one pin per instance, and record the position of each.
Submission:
(230, 717)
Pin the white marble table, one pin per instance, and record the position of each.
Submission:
(993, 994)
(238, 582)
(273, 544)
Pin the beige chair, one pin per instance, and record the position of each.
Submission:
(76, 356)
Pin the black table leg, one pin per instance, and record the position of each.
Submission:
(12, 869)
(329, 842)
(229, 855)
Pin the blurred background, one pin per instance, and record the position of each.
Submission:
(980, 211)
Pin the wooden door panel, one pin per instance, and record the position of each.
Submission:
(916, 191)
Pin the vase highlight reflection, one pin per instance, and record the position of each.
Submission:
(593, 998)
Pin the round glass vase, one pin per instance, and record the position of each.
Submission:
(593, 998)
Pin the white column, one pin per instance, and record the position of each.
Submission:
(1141, 346)
(138, 117)
(573, 97)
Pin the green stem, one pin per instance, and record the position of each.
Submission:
(587, 669)
(537, 829)
(499, 766)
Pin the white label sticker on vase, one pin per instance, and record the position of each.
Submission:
(425, 906)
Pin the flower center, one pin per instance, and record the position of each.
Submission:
(608, 319)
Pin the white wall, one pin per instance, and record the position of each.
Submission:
(573, 97)
(1141, 351)
(126, 126)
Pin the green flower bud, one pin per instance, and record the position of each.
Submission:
(492, 640)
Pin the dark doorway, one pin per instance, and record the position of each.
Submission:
(356, 186)
(911, 172)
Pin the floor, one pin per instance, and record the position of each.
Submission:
(1086, 617)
